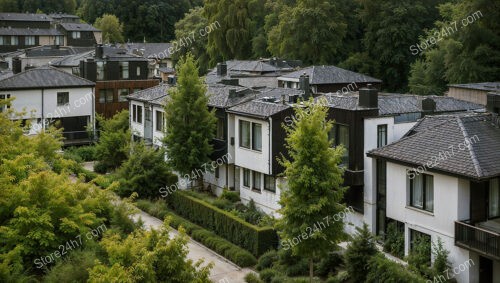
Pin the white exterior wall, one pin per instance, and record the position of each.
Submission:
(265, 200)
(451, 198)
(81, 103)
(251, 159)
(157, 135)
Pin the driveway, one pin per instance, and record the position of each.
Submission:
(223, 271)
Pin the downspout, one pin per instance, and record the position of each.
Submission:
(43, 114)
(94, 131)
(270, 145)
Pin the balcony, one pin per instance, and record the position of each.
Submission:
(482, 240)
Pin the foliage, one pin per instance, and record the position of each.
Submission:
(314, 184)
(80, 154)
(381, 269)
(225, 248)
(419, 258)
(463, 54)
(145, 172)
(359, 252)
(191, 126)
(394, 242)
(148, 256)
(113, 146)
(230, 196)
(254, 239)
(329, 264)
(75, 268)
(310, 30)
(111, 28)
(252, 278)
(441, 263)
(35, 6)
(267, 259)
(188, 28)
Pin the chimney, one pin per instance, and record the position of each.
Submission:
(493, 103)
(17, 66)
(304, 85)
(99, 51)
(221, 69)
(232, 93)
(428, 105)
(368, 97)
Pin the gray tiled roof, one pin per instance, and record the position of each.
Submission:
(29, 31)
(432, 143)
(72, 60)
(218, 95)
(392, 104)
(155, 95)
(22, 17)
(78, 27)
(330, 75)
(149, 50)
(44, 77)
(486, 86)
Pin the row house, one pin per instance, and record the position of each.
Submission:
(444, 184)
(46, 97)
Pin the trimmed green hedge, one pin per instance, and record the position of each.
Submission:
(256, 240)
(223, 247)
(381, 269)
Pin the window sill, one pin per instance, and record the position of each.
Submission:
(251, 150)
(256, 191)
(420, 210)
(269, 191)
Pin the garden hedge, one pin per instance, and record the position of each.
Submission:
(256, 240)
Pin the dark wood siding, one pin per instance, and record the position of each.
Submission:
(338, 87)
(278, 139)
(478, 201)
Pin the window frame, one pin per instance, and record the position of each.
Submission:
(424, 196)
(4, 97)
(60, 96)
(256, 181)
(246, 177)
(30, 40)
(124, 70)
(271, 189)
(335, 134)
(381, 134)
(76, 35)
(159, 120)
(254, 138)
(139, 114)
(240, 130)
(14, 40)
(121, 97)
(490, 216)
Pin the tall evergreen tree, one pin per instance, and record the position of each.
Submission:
(190, 125)
(359, 252)
(314, 190)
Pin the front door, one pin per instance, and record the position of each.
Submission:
(485, 270)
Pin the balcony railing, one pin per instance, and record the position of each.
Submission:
(477, 239)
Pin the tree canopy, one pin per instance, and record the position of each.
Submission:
(111, 28)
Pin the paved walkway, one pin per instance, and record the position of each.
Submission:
(223, 271)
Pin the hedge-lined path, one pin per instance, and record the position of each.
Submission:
(223, 271)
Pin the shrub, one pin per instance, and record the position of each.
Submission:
(381, 269)
(82, 153)
(113, 146)
(359, 252)
(441, 263)
(72, 269)
(267, 259)
(419, 258)
(100, 167)
(394, 242)
(230, 196)
(329, 264)
(252, 278)
(145, 173)
(267, 275)
(223, 247)
(250, 237)
(223, 204)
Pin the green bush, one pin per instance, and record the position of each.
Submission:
(254, 239)
(381, 269)
(209, 239)
(359, 252)
(267, 275)
(329, 264)
(74, 268)
(82, 153)
(394, 242)
(252, 278)
(267, 259)
(230, 196)
(100, 167)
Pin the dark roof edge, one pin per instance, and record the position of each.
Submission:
(248, 114)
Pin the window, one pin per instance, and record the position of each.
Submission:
(100, 70)
(62, 98)
(122, 94)
(257, 136)
(134, 112)
(407, 117)
(217, 172)
(244, 134)
(340, 135)
(381, 135)
(160, 122)
(421, 243)
(139, 114)
(59, 40)
(138, 71)
(29, 40)
(76, 35)
(123, 70)
(14, 40)
(246, 178)
(269, 183)
(220, 129)
(105, 95)
(250, 135)
(422, 192)
(494, 198)
(3, 97)
(381, 197)
(256, 185)
(147, 114)
(2, 40)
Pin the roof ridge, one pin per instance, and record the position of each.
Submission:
(479, 172)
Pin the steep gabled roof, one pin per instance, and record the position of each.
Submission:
(330, 75)
(439, 143)
(155, 95)
(44, 77)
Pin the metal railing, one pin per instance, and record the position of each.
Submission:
(477, 239)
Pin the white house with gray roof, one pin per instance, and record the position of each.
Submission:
(47, 96)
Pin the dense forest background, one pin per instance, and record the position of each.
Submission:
(374, 37)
